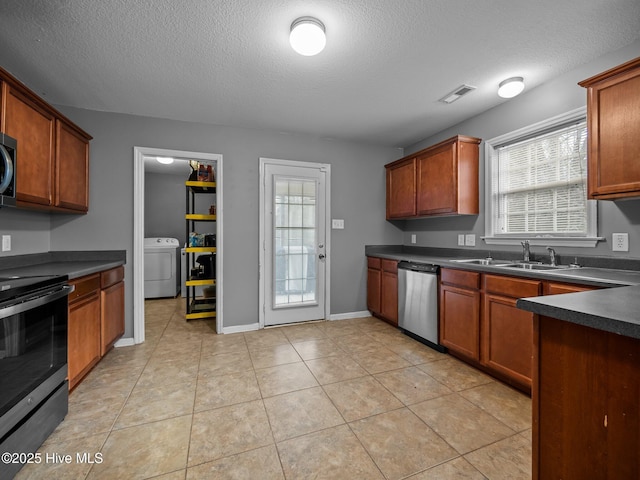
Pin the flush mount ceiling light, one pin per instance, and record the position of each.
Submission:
(307, 36)
(511, 87)
(165, 160)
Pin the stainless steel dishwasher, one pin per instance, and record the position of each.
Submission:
(418, 302)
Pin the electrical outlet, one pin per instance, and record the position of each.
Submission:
(413, 238)
(620, 242)
(6, 243)
(470, 240)
(461, 240)
(337, 224)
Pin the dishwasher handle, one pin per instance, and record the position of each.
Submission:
(418, 267)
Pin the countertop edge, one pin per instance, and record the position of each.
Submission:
(72, 264)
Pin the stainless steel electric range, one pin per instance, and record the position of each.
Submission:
(33, 365)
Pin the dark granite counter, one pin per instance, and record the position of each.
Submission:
(614, 310)
(598, 272)
(72, 264)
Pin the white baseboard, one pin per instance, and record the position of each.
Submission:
(346, 316)
(241, 328)
(125, 342)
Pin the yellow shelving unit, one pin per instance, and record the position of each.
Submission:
(198, 307)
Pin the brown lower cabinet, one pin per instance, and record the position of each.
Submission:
(96, 320)
(84, 327)
(382, 288)
(507, 331)
(112, 308)
(480, 324)
(460, 313)
(586, 403)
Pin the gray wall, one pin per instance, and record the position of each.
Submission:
(556, 97)
(358, 197)
(29, 231)
(164, 206)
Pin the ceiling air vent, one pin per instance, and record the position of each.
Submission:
(457, 93)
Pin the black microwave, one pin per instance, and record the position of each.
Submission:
(8, 147)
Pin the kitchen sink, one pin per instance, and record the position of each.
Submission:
(534, 266)
(483, 261)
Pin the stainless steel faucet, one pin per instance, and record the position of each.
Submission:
(525, 250)
(552, 256)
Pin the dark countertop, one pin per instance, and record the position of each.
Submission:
(610, 309)
(614, 310)
(72, 264)
(587, 275)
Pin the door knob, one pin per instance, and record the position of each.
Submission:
(321, 256)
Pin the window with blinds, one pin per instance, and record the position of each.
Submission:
(541, 184)
(537, 183)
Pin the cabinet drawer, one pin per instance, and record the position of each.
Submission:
(552, 288)
(111, 277)
(511, 287)
(389, 265)
(84, 286)
(373, 262)
(460, 278)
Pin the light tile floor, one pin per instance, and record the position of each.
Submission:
(349, 399)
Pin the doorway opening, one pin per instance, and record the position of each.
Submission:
(142, 154)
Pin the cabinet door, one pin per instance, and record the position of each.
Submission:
(507, 339)
(112, 317)
(72, 168)
(32, 126)
(374, 279)
(389, 300)
(83, 336)
(437, 182)
(460, 320)
(614, 125)
(401, 189)
(586, 403)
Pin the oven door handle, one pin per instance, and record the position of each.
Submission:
(36, 301)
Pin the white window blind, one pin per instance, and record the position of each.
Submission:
(539, 184)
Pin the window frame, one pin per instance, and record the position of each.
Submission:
(491, 236)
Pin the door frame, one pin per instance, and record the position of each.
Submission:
(263, 284)
(138, 231)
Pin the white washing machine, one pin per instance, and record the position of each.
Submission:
(161, 267)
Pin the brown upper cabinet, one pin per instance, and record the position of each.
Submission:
(401, 189)
(613, 122)
(52, 161)
(439, 180)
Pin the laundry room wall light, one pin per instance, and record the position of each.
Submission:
(307, 36)
(511, 87)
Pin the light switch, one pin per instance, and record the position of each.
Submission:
(337, 223)
(413, 238)
(6, 243)
(461, 239)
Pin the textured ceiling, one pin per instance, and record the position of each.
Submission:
(228, 62)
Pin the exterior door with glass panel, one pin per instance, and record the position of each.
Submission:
(295, 247)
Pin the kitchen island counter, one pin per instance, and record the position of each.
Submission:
(613, 310)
